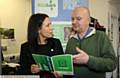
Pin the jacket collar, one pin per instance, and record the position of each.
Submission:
(90, 32)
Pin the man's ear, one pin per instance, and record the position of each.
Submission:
(89, 19)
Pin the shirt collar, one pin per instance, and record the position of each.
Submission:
(90, 32)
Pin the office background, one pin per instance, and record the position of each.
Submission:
(14, 14)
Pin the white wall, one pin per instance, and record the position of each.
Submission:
(99, 10)
(15, 14)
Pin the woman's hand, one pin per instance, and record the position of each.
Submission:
(57, 75)
(35, 68)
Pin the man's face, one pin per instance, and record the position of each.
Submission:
(80, 20)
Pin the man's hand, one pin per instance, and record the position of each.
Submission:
(80, 58)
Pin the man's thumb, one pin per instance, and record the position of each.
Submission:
(78, 50)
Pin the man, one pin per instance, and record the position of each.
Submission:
(93, 53)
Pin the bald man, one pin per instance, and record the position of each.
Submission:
(93, 53)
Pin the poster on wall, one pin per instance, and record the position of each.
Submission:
(6, 33)
(62, 31)
(58, 10)
(8, 42)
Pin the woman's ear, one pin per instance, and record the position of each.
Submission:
(39, 31)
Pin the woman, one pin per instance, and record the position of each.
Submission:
(39, 41)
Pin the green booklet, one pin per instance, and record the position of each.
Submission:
(62, 64)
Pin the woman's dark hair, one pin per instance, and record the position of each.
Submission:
(35, 23)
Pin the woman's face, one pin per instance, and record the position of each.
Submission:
(46, 30)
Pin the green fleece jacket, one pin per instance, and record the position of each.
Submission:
(102, 58)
